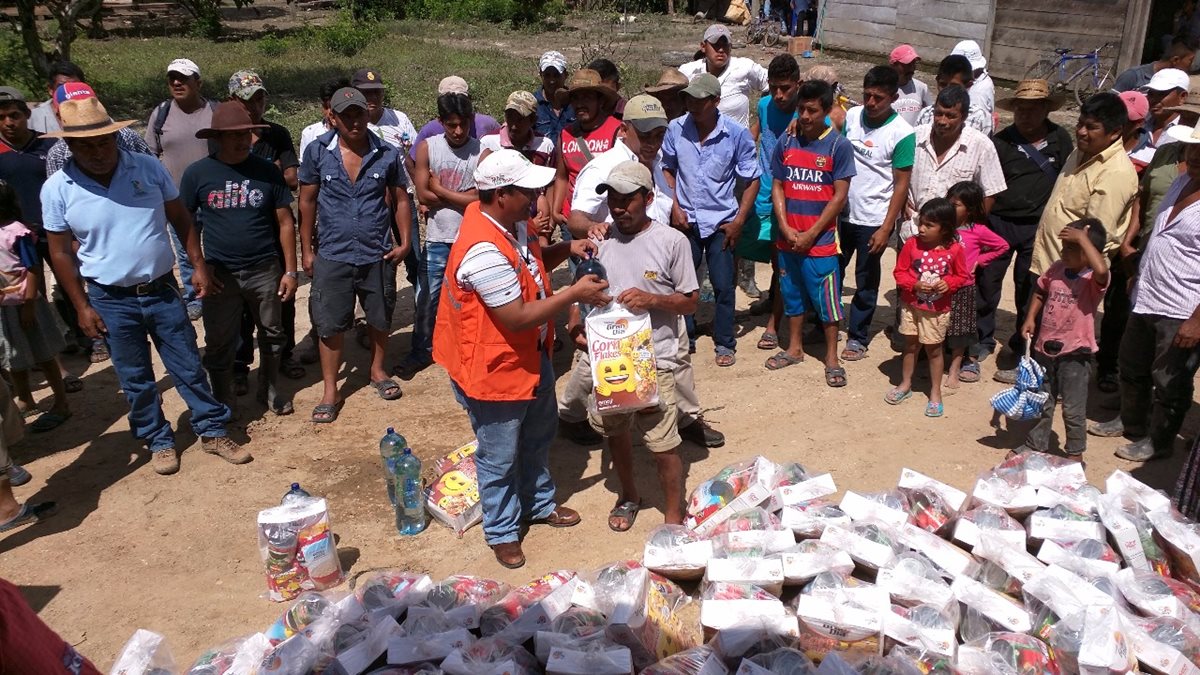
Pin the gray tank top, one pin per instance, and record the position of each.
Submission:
(455, 170)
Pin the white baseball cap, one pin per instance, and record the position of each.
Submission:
(971, 50)
(508, 167)
(453, 85)
(1168, 79)
(184, 67)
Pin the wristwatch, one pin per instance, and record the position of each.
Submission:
(294, 275)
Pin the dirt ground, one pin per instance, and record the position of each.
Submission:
(130, 549)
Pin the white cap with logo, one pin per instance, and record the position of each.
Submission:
(1169, 79)
(184, 67)
(508, 167)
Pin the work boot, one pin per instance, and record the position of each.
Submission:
(746, 279)
(268, 392)
(165, 462)
(225, 448)
(701, 434)
(1114, 429)
(509, 554)
(1141, 451)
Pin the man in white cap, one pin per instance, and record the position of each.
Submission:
(983, 90)
(552, 117)
(1165, 91)
(171, 134)
(739, 76)
(494, 336)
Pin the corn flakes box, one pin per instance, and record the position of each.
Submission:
(621, 350)
(453, 498)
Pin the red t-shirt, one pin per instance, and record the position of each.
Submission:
(597, 141)
(28, 646)
(916, 263)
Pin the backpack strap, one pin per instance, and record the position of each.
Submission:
(160, 120)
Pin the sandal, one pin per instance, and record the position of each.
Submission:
(725, 360)
(324, 413)
(292, 369)
(29, 513)
(782, 360)
(854, 351)
(72, 384)
(835, 376)
(768, 341)
(387, 389)
(625, 510)
(969, 373)
(934, 409)
(897, 396)
(48, 421)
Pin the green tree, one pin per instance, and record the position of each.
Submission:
(51, 41)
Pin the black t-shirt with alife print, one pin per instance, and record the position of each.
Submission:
(236, 209)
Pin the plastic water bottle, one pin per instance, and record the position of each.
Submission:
(294, 495)
(391, 446)
(706, 289)
(410, 498)
(590, 266)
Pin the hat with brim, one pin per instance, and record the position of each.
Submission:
(85, 118)
(229, 116)
(1184, 134)
(1031, 90)
(1193, 97)
(705, 85)
(626, 178)
(507, 167)
(585, 79)
(670, 80)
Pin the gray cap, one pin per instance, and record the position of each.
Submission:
(705, 85)
(626, 178)
(10, 95)
(715, 32)
(346, 97)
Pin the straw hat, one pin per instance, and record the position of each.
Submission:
(670, 80)
(84, 118)
(1193, 98)
(585, 79)
(229, 116)
(1184, 134)
(1031, 90)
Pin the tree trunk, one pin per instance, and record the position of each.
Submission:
(26, 26)
(66, 15)
(670, 6)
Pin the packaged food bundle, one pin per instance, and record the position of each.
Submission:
(1126, 521)
(1119, 482)
(453, 498)
(1039, 469)
(617, 590)
(952, 499)
(575, 628)
(809, 519)
(782, 660)
(725, 604)
(491, 656)
(747, 521)
(297, 548)
(1017, 563)
(993, 519)
(921, 662)
(1083, 498)
(522, 611)
(1165, 644)
(889, 507)
(591, 659)
(1064, 523)
(751, 533)
(1065, 593)
(734, 489)
(811, 557)
(621, 350)
(870, 544)
(146, 653)
(460, 599)
(1085, 557)
(427, 639)
(1156, 595)
(755, 635)
(1093, 642)
(788, 490)
(239, 655)
(351, 645)
(949, 558)
(702, 660)
(392, 591)
(928, 510)
(415, 669)
(1182, 540)
(676, 552)
(1006, 653)
(307, 608)
(925, 627)
(765, 573)
(912, 580)
(840, 614)
(665, 629)
(996, 607)
(1007, 490)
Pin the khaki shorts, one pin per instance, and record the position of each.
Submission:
(656, 427)
(928, 327)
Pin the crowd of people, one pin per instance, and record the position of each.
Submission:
(680, 186)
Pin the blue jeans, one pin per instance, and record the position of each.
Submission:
(185, 267)
(161, 317)
(856, 241)
(512, 460)
(721, 274)
(431, 272)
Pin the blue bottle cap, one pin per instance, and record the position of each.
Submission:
(391, 430)
(407, 450)
(295, 486)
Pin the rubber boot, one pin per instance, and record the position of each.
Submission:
(268, 391)
(746, 279)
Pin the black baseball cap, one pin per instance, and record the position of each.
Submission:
(366, 78)
(347, 97)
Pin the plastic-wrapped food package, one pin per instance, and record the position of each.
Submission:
(666, 628)
(1039, 469)
(782, 660)
(576, 627)
(1007, 490)
(415, 669)
(912, 481)
(753, 533)
(1119, 482)
(749, 520)
(1165, 644)
(1126, 521)
(1085, 557)
(996, 607)
(297, 655)
(789, 489)
(305, 610)
(701, 660)
(811, 557)
(1155, 595)
(146, 653)
(993, 519)
(428, 638)
(912, 580)
(734, 489)
(491, 656)
(948, 558)
(996, 578)
(926, 663)
(755, 635)
(354, 644)
(809, 519)
(870, 544)
(1006, 654)
(594, 658)
(925, 627)
(460, 599)
(235, 657)
(518, 615)
(875, 664)
(391, 591)
(1064, 523)
(840, 614)
(1182, 539)
(1016, 562)
(617, 590)
(727, 604)
(296, 544)
(676, 552)
(453, 498)
(928, 510)
(890, 507)
(1064, 592)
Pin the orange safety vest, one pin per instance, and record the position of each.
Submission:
(577, 154)
(488, 361)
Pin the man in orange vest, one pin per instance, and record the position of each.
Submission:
(494, 336)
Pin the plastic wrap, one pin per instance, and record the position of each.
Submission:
(928, 509)
(305, 610)
(840, 614)
(239, 655)
(146, 653)
(1126, 521)
(575, 628)
(460, 599)
(890, 507)
(1015, 561)
(1155, 595)
(809, 519)
(1182, 539)
(728, 604)
(518, 615)
(912, 579)
(996, 607)
(737, 487)
(754, 636)
(1165, 644)
(926, 663)
(354, 644)
(1040, 469)
(809, 558)
(594, 658)
(870, 544)
(491, 656)
(453, 499)
(701, 660)
(782, 660)
(391, 591)
(296, 545)
(1007, 490)
(993, 519)
(949, 558)
(787, 491)
(621, 347)
(749, 520)
(1005, 653)
(1119, 482)
(1063, 523)
(677, 552)
(925, 627)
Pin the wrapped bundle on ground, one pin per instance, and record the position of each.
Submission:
(460, 599)
(239, 655)
(1132, 533)
(794, 485)
(871, 545)
(1085, 557)
(578, 627)
(427, 639)
(811, 557)
(1063, 523)
(525, 609)
(890, 507)
(695, 661)
(391, 591)
(782, 660)
(1006, 654)
(734, 489)
(912, 580)
(932, 503)
(491, 656)
(840, 614)
(677, 552)
(1164, 644)
(808, 520)
(926, 628)
(296, 544)
(728, 604)
(993, 519)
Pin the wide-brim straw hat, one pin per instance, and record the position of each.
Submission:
(85, 118)
(670, 80)
(1032, 90)
(585, 79)
(229, 116)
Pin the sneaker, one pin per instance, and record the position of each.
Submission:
(225, 448)
(1114, 429)
(195, 311)
(1141, 451)
(165, 462)
(18, 476)
(1006, 376)
(700, 433)
(746, 280)
(579, 433)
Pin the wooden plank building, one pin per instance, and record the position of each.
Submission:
(1014, 34)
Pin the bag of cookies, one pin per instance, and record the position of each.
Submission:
(621, 350)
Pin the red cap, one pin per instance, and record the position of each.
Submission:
(1136, 105)
(69, 91)
(904, 54)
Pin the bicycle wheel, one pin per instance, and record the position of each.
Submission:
(1085, 86)
(772, 36)
(1046, 69)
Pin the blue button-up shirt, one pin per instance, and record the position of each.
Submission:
(549, 123)
(705, 172)
(121, 228)
(355, 221)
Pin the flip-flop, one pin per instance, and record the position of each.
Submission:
(626, 510)
(896, 396)
(854, 351)
(72, 384)
(768, 341)
(29, 513)
(725, 360)
(934, 409)
(782, 360)
(382, 387)
(969, 373)
(324, 413)
(835, 377)
(18, 475)
(48, 421)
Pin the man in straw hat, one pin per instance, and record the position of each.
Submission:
(494, 337)
(113, 202)
(1032, 151)
(245, 204)
(594, 131)
(669, 92)
(739, 76)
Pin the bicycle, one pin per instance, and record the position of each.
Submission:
(1054, 71)
(768, 31)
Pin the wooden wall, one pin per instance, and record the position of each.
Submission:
(1028, 30)
(867, 26)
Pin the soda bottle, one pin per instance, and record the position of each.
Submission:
(410, 498)
(390, 448)
(294, 495)
(590, 266)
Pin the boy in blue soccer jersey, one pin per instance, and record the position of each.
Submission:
(811, 176)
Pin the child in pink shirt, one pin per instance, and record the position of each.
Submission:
(1065, 301)
(980, 247)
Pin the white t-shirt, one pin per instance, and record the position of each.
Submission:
(983, 93)
(875, 156)
(595, 172)
(310, 133)
(914, 96)
(741, 77)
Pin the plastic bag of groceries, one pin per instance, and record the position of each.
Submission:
(794, 485)
(523, 610)
(754, 635)
(1006, 653)
(415, 669)
(460, 599)
(427, 639)
(146, 653)
(725, 604)
(391, 591)
(877, 664)
(995, 607)
(350, 642)
(297, 548)
(621, 350)
(491, 656)
(912, 579)
(872, 545)
(1007, 490)
(1182, 542)
(453, 498)
(1064, 523)
(236, 656)
(993, 519)
(808, 520)
(1085, 557)
(925, 662)
(676, 552)
(924, 627)
(1129, 527)
(1165, 644)
(577, 628)
(702, 660)
(782, 660)
(811, 557)
(1040, 469)
(840, 614)
(596, 658)
(737, 487)
(1156, 595)
(933, 504)
(1093, 641)
(889, 507)
(305, 610)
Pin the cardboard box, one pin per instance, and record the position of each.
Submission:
(800, 44)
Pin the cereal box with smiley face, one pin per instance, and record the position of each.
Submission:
(621, 349)
(453, 498)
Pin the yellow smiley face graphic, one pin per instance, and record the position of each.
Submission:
(455, 483)
(615, 374)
